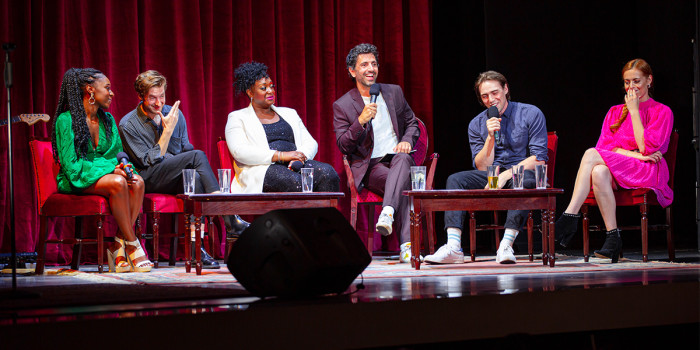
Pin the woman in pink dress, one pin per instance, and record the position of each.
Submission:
(629, 154)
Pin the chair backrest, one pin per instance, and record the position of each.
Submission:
(225, 157)
(552, 143)
(421, 145)
(45, 170)
(670, 157)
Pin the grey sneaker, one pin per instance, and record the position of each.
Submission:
(505, 255)
(446, 255)
(384, 224)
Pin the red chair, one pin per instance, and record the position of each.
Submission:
(552, 144)
(53, 204)
(155, 204)
(371, 199)
(642, 197)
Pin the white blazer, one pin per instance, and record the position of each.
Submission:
(247, 142)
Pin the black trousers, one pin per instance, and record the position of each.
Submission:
(477, 179)
(390, 180)
(166, 176)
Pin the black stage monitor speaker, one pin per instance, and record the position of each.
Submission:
(298, 252)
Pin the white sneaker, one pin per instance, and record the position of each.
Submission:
(384, 224)
(505, 255)
(405, 255)
(446, 255)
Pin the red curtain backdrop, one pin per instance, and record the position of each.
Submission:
(197, 45)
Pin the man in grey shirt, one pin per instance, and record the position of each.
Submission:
(155, 137)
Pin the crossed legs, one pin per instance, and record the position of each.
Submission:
(593, 171)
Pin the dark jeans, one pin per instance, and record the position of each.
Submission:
(166, 176)
(477, 179)
(390, 180)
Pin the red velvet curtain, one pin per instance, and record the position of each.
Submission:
(197, 45)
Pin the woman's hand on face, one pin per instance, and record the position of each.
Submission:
(632, 101)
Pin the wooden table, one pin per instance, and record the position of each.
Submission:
(425, 202)
(246, 204)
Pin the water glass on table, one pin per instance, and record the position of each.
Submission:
(225, 180)
(492, 172)
(418, 178)
(518, 176)
(188, 181)
(307, 179)
(541, 176)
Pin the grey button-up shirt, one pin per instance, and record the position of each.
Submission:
(140, 138)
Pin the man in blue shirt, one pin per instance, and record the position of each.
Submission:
(523, 141)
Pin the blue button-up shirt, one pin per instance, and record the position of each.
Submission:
(523, 134)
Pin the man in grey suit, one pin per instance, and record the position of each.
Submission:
(366, 132)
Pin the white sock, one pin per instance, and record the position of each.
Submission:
(454, 238)
(509, 237)
(388, 210)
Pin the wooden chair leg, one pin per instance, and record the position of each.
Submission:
(496, 232)
(669, 234)
(156, 239)
(586, 251)
(353, 213)
(645, 232)
(78, 246)
(100, 243)
(174, 240)
(545, 242)
(41, 247)
(370, 229)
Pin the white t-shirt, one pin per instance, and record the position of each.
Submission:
(384, 136)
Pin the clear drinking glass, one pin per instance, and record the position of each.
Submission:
(307, 179)
(492, 173)
(518, 176)
(541, 176)
(225, 180)
(418, 178)
(188, 181)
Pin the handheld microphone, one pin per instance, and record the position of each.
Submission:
(374, 91)
(493, 113)
(123, 158)
(296, 166)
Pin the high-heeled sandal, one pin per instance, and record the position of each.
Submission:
(612, 247)
(117, 259)
(143, 265)
(566, 227)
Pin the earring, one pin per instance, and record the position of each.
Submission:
(648, 86)
(92, 98)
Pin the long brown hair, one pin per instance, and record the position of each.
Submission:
(643, 67)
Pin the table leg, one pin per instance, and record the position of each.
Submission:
(198, 244)
(188, 241)
(552, 254)
(529, 236)
(415, 234)
(545, 238)
(472, 236)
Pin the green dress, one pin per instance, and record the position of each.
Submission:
(77, 173)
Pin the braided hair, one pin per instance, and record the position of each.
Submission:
(645, 68)
(71, 99)
(247, 74)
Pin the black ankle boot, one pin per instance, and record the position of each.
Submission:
(234, 225)
(207, 261)
(565, 228)
(612, 247)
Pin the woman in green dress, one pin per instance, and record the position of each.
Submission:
(85, 143)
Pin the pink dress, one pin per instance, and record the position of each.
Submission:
(630, 172)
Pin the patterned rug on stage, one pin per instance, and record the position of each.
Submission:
(486, 265)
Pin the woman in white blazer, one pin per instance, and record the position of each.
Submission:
(270, 144)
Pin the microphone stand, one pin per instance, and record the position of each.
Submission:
(9, 47)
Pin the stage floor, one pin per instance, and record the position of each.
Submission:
(397, 306)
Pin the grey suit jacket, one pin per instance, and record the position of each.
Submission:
(357, 141)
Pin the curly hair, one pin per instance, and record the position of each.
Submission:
(71, 99)
(247, 74)
(490, 75)
(643, 67)
(351, 59)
